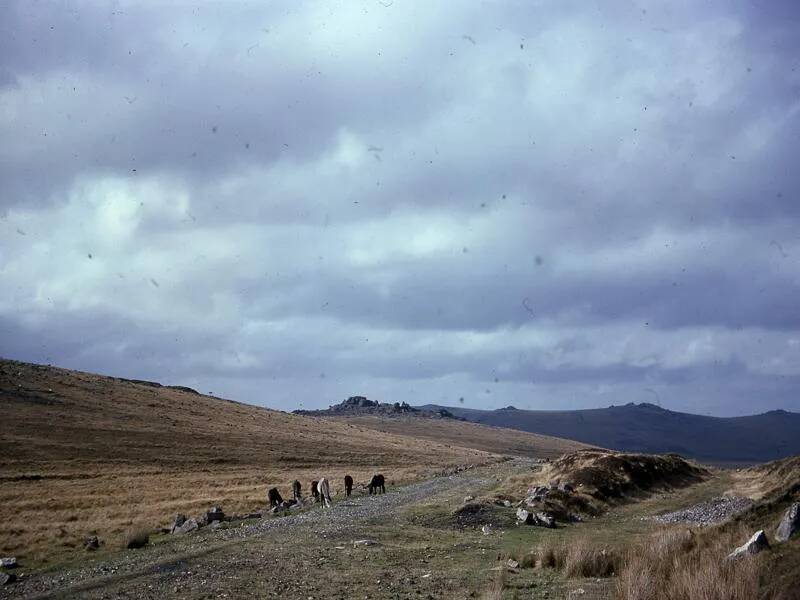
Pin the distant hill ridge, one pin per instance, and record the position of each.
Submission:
(649, 428)
(362, 406)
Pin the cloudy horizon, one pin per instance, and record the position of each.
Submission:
(553, 205)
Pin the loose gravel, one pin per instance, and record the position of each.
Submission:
(710, 512)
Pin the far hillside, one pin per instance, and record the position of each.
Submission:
(650, 429)
(441, 425)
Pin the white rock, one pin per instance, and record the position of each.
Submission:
(790, 524)
(754, 545)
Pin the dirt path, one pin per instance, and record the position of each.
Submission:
(207, 560)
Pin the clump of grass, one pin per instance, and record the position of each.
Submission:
(527, 560)
(552, 555)
(495, 590)
(681, 565)
(579, 558)
(137, 538)
(582, 559)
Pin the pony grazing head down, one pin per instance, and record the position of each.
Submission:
(324, 489)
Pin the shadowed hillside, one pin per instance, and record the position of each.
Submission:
(651, 429)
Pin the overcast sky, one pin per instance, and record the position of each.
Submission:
(556, 204)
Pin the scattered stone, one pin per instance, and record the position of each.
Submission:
(468, 499)
(8, 563)
(364, 543)
(216, 524)
(6, 578)
(506, 503)
(524, 517)
(512, 564)
(713, 511)
(188, 526)
(486, 529)
(92, 543)
(754, 545)
(790, 524)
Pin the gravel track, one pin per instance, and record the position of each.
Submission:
(710, 512)
(176, 554)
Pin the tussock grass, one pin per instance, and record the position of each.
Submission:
(578, 558)
(682, 565)
(495, 589)
(672, 563)
(137, 537)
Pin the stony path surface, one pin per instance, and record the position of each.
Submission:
(180, 551)
(710, 512)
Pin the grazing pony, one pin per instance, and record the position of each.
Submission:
(315, 491)
(274, 497)
(324, 489)
(377, 483)
(348, 485)
(296, 490)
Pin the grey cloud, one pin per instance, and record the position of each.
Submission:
(583, 173)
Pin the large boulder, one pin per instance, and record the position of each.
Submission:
(187, 526)
(754, 545)
(179, 520)
(790, 524)
(524, 517)
(7, 578)
(545, 520)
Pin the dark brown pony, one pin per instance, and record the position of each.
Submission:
(348, 485)
(378, 483)
(274, 497)
(314, 491)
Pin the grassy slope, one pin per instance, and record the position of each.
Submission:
(83, 453)
(461, 433)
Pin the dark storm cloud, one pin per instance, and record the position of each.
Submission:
(528, 203)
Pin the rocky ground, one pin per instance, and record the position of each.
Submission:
(709, 512)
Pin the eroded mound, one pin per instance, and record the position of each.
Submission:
(613, 476)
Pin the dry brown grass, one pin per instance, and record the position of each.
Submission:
(770, 479)
(672, 563)
(577, 558)
(495, 589)
(680, 565)
(482, 437)
(84, 454)
(137, 537)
